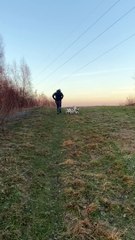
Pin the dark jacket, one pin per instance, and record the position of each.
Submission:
(58, 95)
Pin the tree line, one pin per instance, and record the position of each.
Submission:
(16, 88)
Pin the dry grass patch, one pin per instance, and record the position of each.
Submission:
(69, 162)
(110, 204)
(125, 139)
(129, 180)
(85, 229)
(95, 162)
(106, 186)
(74, 147)
(71, 192)
(68, 143)
(89, 209)
(94, 175)
(77, 183)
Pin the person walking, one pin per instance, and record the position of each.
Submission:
(58, 96)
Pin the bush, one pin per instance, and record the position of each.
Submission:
(130, 101)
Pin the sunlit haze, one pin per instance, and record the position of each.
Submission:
(85, 48)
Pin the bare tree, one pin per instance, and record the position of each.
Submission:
(25, 77)
(15, 75)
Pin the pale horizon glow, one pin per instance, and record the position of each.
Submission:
(41, 30)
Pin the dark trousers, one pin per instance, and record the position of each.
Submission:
(58, 104)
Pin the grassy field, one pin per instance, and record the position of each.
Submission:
(69, 176)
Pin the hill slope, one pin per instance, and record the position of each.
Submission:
(69, 176)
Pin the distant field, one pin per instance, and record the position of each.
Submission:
(69, 176)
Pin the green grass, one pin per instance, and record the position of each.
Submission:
(69, 176)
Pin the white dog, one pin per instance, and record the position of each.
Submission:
(73, 110)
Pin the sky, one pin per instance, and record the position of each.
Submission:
(85, 48)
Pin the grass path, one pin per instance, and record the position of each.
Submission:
(69, 177)
(30, 153)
